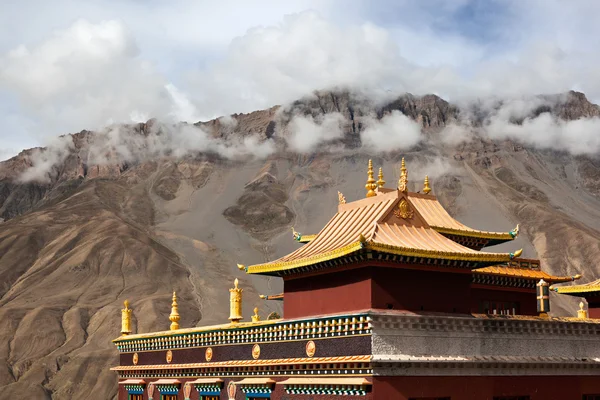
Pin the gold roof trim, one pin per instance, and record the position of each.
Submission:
(527, 273)
(446, 255)
(242, 363)
(574, 289)
(473, 233)
(306, 238)
(321, 380)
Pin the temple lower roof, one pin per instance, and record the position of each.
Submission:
(576, 290)
(523, 269)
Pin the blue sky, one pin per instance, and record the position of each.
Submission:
(73, 65)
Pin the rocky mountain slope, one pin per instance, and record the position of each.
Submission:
(75, 245)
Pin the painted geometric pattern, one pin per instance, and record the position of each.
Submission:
(319, 328)
(256, 389)
(168, 389)
(134, 389)
(326, 390)
(208, 389)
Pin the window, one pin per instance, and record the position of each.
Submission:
(136, 397)
(500, 308)
(209, 397)
(511, 398)
(169, 397)
(591, 397)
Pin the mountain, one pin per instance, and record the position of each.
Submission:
(76, 244)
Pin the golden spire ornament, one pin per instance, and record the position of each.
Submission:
(380, 181)
(426, 188)
(255, 317)
(126, 319)
(582, 313)
(235, 303)
(403, 181)
(341, 198)
(174, 317)
(371, 185)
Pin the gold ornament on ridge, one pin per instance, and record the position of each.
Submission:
(341, 198)
(371, 185)
(403, 181)
(403, 211)
(380, 181)
(174, 317)
(126, 319)
(426, 188)
(235, 303)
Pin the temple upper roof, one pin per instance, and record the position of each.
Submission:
(387, 222)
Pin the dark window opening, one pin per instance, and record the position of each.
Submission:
(389, 306)
(169, 397)
(591, 397)
(511, 398)
(136, 397)
(499, 308)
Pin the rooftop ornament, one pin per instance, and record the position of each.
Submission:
(371, 185)
(341, 198)
(426, 188)
(403, 181)
(255, 317)
(126, 319)
(235, 303)
(380, 181)
(582, 313)
(174, 317)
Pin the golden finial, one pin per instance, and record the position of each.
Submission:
(403, 181)
(235, 303)
(255, 317)
(371, 185)
(241, 267)
(341, 198)
(174, 317)
(582, 313)
(426, 188)
(126, 319)
(380, 181)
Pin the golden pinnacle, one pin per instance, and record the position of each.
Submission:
(174, 317)
(371, 185)
(380, 181)
(426, 188)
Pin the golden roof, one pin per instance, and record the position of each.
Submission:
(579, 289)
(388, 222)
(438, 218)
(526, 273)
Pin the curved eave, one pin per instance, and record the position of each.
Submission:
(523, 274)
(305, 238)
(383, 248)
(493, 237)
(577, 289)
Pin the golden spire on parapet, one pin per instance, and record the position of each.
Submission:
(426, 188)
(126, 319)
(380, 181)
(403, 181)
(174, 317)
(235, 303)
(582, 313)
(371, 185)
(255, 317)
(341, 198)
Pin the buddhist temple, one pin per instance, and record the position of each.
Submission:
(392, 299)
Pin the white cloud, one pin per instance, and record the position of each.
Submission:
(306, 132)
(394, 131)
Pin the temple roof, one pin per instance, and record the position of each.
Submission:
(386, 223)
(579, 290)
(438, 218)
(525, 269)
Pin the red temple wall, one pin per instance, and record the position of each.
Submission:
(418, 290)
(377, 287)
(485, 388)
(328, 293)
(594, 312)
(527, 301)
